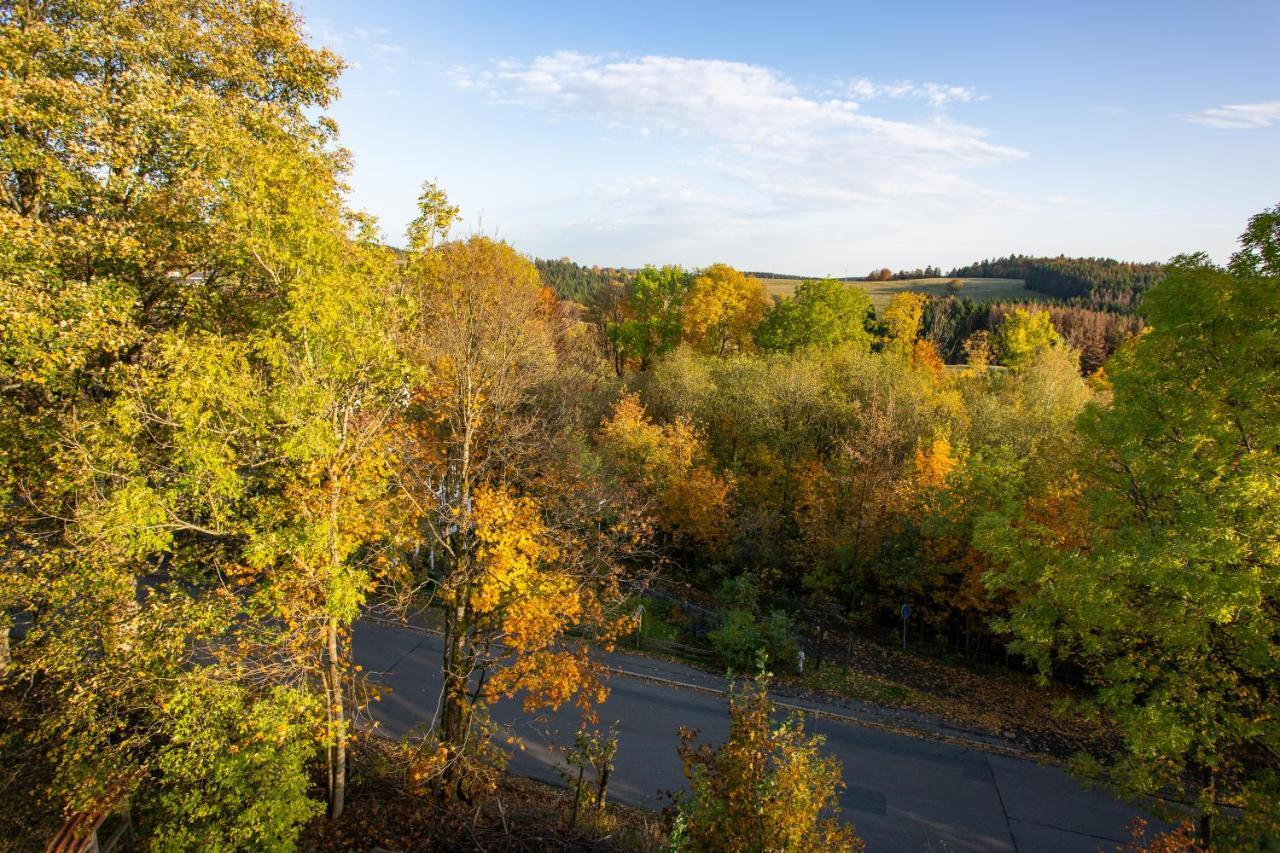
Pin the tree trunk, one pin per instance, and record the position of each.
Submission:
(338, 749)
(454, 718)
(1204, 823)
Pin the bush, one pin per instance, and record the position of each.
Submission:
(766, 788)
(741, 638)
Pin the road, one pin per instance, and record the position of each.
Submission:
(902, 793)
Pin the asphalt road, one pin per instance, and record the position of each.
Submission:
(902, 793)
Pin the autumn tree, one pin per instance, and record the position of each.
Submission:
(1022, 335)
(515, 541)
(768, 787)
(668, 463)
(194, 335)
(1168, 598)
(901, 319)
(722, 310)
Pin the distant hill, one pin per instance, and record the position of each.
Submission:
(1100, 283)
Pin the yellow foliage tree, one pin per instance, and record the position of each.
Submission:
(901, 320)
(497, 535)
(722, 310)
(767, 788)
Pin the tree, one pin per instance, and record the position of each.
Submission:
(435, 217)
(190, 336)
(1168, 598)
(654, 311)
(767, 788)
(513, 540)
(1023, 334)
(902, 320)
(722, 310)
(668, 464)
(824, 313)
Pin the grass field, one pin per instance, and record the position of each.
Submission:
(977, 289)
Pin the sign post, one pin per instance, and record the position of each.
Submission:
(906, 614)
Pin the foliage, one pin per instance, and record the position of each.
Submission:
(669, 464)
(768, 787)
(1023, 335)
(901, 320)
(499, 538)
(575, 282)
(742, 637)
(654, 314)
(197, 373)
(235, 774)
(722, 310)
(1166, 597)
(593, 751)
(824, 313)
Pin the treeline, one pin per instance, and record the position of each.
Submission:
(575, 282)
(1094, 334)
(1096, 283)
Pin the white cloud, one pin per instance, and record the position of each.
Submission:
(748, 157)
(1237, 116)
(754, 124)
(937, 94)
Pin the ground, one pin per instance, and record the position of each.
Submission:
(382, 813)
(978, 289)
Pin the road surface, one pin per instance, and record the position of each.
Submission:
(902, 793)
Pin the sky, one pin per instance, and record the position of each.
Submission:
(815, 138)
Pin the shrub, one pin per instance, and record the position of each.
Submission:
(767, 788)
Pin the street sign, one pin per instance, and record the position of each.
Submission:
(906, 614)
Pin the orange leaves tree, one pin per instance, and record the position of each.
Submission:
(768, 787)
(668, 464)
(513, 540)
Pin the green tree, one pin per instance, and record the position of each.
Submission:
(191, 360)
(1168, 598)
(654, 310)
(823, 313)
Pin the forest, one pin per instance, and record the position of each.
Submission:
(236, 422)
(1098, 283)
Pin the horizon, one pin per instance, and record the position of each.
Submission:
(883, 138)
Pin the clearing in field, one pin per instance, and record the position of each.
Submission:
(977, 289)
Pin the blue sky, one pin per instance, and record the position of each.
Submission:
(815, 138)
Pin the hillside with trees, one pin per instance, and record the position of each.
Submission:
(575, 282)
(1095, 283)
